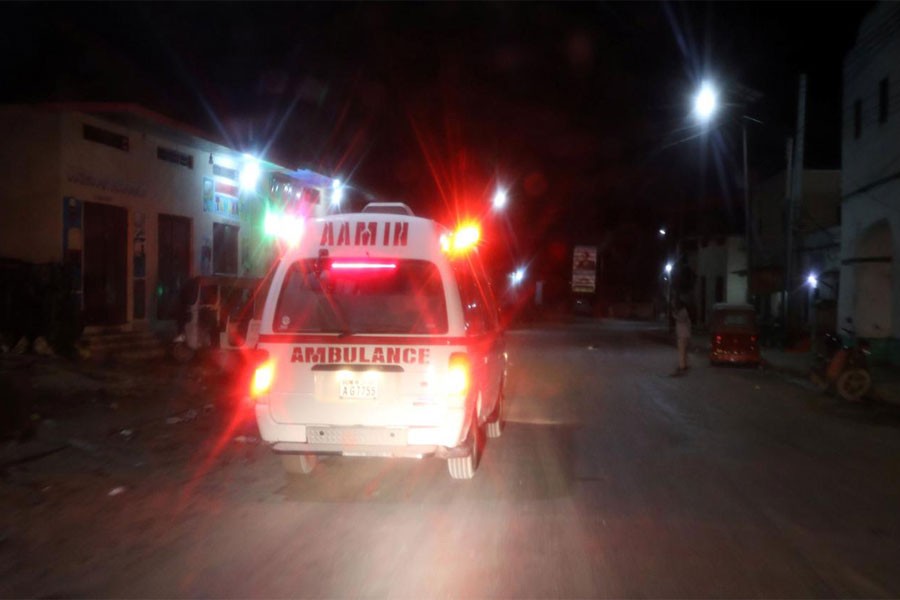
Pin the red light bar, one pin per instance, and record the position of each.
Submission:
(360, 265)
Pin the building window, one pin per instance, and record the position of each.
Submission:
(225, 249)
(105, 137)
(174, 156)
(883, 100)
(857, 119)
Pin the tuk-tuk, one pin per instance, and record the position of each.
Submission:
(218, 312)
(734, 334)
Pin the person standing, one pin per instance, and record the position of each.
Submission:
(682, 334)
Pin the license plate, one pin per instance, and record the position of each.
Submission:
(355, 390)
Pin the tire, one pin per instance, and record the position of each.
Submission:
(853, 384)
(299, 464)
(495, 423)
(182, 353)
(464, 467)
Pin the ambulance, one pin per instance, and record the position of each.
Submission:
(380, 337)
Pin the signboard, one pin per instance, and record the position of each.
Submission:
(584, 269)
(221, 198)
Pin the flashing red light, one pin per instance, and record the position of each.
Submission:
(461, 241)
(363, 266)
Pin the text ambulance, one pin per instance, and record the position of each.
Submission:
(380, 337)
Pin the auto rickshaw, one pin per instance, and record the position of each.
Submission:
(734, 335)
(218, 312)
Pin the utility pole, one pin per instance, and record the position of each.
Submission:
(747, 240)
(794, 201)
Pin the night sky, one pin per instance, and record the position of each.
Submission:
(580, 110)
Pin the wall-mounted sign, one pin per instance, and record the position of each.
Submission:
(81, 177)
(220, 198)
(584, 269)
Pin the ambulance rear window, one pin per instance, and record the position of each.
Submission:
(361, 297)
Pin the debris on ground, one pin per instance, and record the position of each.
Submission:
(21, 347)
(116, 491)
(42, 347)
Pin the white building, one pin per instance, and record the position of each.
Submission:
(135, 204)
(721, 267)
(870, 240)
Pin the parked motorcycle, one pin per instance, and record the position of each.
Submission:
(844, 366)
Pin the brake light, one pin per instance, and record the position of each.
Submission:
(718, 339)
(459, 375)
(363, 266)
(263, 378)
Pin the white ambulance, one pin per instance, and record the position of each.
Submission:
(380, 337)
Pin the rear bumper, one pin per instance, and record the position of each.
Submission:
(726, 356)
(365, 439)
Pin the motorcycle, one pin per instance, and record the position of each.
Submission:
(844, 366)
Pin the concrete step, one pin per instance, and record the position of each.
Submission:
(127, 346)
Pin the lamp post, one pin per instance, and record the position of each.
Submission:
(705, 107)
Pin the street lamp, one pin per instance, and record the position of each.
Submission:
(668, 278)
(705, 107)
(500, 198)
(706, 102)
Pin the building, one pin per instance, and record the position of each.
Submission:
(135, 204)
(816, 247)
(870, 236)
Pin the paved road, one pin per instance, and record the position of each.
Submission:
(612, 479)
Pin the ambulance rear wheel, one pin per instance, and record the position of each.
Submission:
(299, 464)
(495, 422)
(464, 467)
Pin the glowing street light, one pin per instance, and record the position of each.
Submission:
(668, 268)
(812, 280)
(500, 198)
(705, 102)
(517, 276)
(662, 232)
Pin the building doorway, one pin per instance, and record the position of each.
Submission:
(174, 263)
(105, 264)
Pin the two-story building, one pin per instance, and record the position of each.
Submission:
(870, 238)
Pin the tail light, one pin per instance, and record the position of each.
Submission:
(459, 375)
(753, 338)
(263, 378)
(718, 339)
